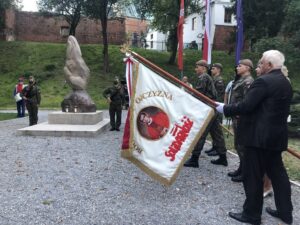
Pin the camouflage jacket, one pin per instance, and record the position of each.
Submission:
(205, 85)
(240, 88)
(220, 87)
(32, 93)
(115, 94)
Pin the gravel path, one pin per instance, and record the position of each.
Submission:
(84, 181)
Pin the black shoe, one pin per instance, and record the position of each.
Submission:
(112, 129)
(238, 178)
(222, 160)
(275, 213)
(117, 129)
(244, 219)
(209, 150)
(192, 162)
(234, 173)
(213, 153)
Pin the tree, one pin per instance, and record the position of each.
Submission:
(165, 16)
(100, 9)
(70, 9)
(262, 19)
(291, 24)
(6, 4)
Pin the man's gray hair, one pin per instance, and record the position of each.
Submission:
(275, 57)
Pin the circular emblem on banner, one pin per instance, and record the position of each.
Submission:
(152, 123)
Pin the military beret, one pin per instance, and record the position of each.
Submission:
(246, 62)
(218, 65)
(202, 62)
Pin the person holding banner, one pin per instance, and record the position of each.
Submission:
(264, 134)
(239, 89)
(205, 85)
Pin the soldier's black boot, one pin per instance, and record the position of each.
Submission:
(222, 160)
(192, 162)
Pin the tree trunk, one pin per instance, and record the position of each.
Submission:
(173, 39)
(105, 44)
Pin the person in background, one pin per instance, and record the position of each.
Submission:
(264, 134)
(32, 96)
(227, 93)
(239, 89)
(186, 81)
(115, 97)
(19, 100)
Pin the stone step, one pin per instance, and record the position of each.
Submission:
(58, 130)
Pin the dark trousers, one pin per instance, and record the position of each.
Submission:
(256, 163)
(115, 114)
(217, 136)
(21, 108)
(32, 109)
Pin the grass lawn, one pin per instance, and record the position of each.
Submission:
(8, 116)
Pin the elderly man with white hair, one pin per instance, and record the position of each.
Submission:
(263, 115)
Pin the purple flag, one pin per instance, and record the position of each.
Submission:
(240, 31)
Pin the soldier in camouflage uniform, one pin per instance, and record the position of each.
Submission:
(216, 131)
(239, 89)
(204, 85)
(32, 96)
(115, 98)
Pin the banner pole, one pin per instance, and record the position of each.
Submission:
(289, 150)
(174, 79)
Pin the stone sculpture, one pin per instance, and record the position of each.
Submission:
(77, 75)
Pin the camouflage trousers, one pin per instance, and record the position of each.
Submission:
(216, 132)
(32, 109)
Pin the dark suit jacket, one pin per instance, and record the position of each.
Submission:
(263, 112)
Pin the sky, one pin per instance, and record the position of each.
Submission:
(29, 5)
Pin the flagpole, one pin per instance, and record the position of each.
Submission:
(206, 53)
(180, 38)
(174, 79)
(240, 31)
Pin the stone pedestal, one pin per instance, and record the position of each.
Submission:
(69, 124)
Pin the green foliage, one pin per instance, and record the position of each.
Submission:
(291, 25)
(164, 17)
(70, 9)
(262, 19)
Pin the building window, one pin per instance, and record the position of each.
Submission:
(151, 44)
(194, 23)
(227, 15)
(64, 31)
(151, 36)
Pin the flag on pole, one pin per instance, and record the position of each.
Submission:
(239, 33)
(206, 55)
(180, 36)
(165, 124)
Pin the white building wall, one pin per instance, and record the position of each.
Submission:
(156, 40)
(189, 35)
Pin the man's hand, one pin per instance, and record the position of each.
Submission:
(220, 107)
(109, 100)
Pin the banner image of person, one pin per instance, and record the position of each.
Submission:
(165, 123)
